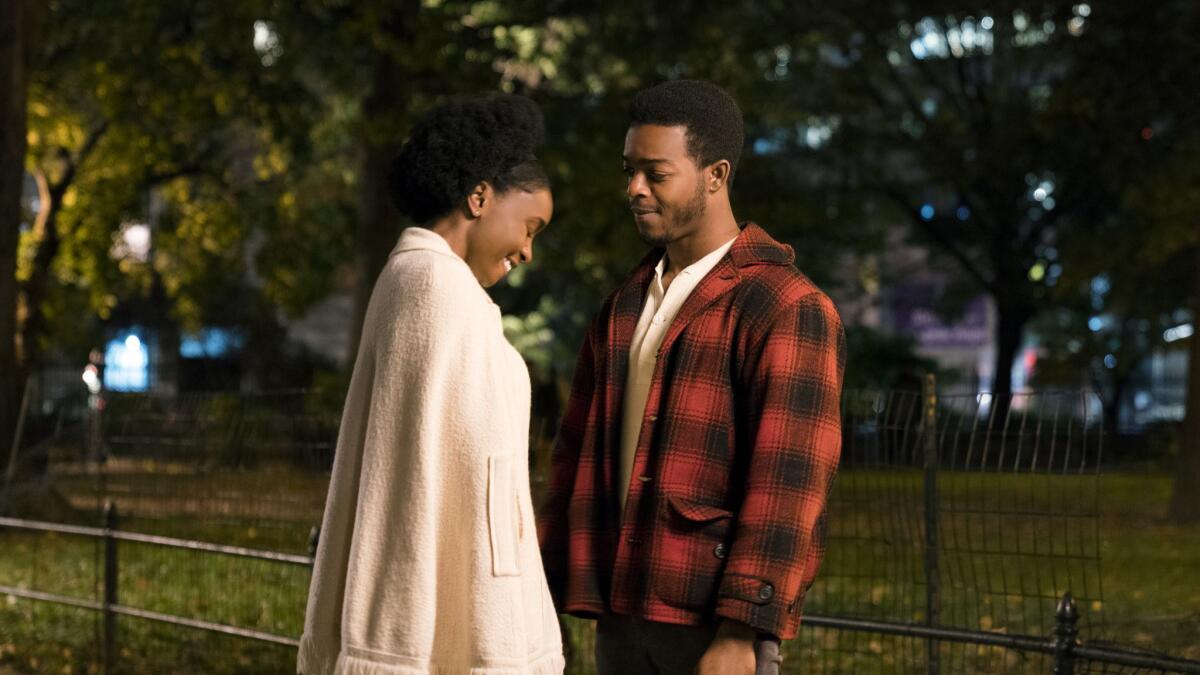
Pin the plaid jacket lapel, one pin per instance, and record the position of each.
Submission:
(753, 246)
(722, 278)
(622, 322)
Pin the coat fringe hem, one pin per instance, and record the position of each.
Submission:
(311, 662)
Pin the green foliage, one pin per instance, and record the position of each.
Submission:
(241, 132)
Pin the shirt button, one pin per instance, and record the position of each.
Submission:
(652, 418)
(720, 551)
(645, 479)
(766, 592)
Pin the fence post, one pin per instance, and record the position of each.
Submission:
(11, 470)
(933, 586)
(314, 537)
(1065, 633)
(110, 586)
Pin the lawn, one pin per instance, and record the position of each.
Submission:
(1002, 567)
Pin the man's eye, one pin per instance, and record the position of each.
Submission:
(656, 177)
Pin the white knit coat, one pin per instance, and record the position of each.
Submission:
(428, 559)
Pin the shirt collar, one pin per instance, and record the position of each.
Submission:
(702, 266)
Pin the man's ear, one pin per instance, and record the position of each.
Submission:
(717, 175)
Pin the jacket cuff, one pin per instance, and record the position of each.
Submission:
(757, 603)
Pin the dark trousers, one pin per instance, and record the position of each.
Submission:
(631, 646)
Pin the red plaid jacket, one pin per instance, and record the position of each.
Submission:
(740, 443)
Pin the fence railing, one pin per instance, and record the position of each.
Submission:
(109, 605)
(1064, 646)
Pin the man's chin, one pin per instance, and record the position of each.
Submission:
(654, 236)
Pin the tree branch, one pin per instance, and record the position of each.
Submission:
(938, 234)
(59, 187)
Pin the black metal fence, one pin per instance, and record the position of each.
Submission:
(958, 525)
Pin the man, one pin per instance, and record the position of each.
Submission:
(687, 496)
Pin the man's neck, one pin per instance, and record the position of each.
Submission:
(710, 236)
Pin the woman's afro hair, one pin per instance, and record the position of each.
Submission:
(459, 144)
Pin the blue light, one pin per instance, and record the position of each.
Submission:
(767, 146)
(927, 211)
(963, 213)
(1095, 323)
(210, 343)
(126, 364)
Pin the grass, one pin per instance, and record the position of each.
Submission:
(1001, 570)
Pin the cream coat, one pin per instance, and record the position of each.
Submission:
(428, 559)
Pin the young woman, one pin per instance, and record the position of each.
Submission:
(428, 559)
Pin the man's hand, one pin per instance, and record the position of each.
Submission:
(731, 652)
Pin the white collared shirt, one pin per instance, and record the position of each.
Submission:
(657, 314)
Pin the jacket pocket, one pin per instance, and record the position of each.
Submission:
(502, 517)
(694, 545)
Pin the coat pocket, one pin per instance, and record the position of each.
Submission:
(502, 518)
(695, 543)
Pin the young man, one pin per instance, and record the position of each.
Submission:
(686, 504)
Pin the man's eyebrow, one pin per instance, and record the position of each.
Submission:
(646, 161)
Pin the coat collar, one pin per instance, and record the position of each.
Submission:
(753, 246)
(423, 238)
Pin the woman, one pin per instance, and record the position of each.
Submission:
(428, 559)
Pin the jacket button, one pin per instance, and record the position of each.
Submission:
(720, 551)
(766, 592)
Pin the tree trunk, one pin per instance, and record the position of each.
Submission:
(1010, 330)
(1112, 405)
(1185, 502)
(378, 226)
(37, 286)
(13, 91)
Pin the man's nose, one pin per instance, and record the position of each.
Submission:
(637, 187)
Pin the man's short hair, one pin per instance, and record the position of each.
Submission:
(713, 120)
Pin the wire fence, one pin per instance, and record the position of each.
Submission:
(956, 526)
(959, 511)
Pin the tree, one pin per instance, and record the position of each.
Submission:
(174, 101)
(1185, 500)
(968, 125)
(384, 63)
(20, 23)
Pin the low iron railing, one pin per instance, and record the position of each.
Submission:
(1064, 646)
